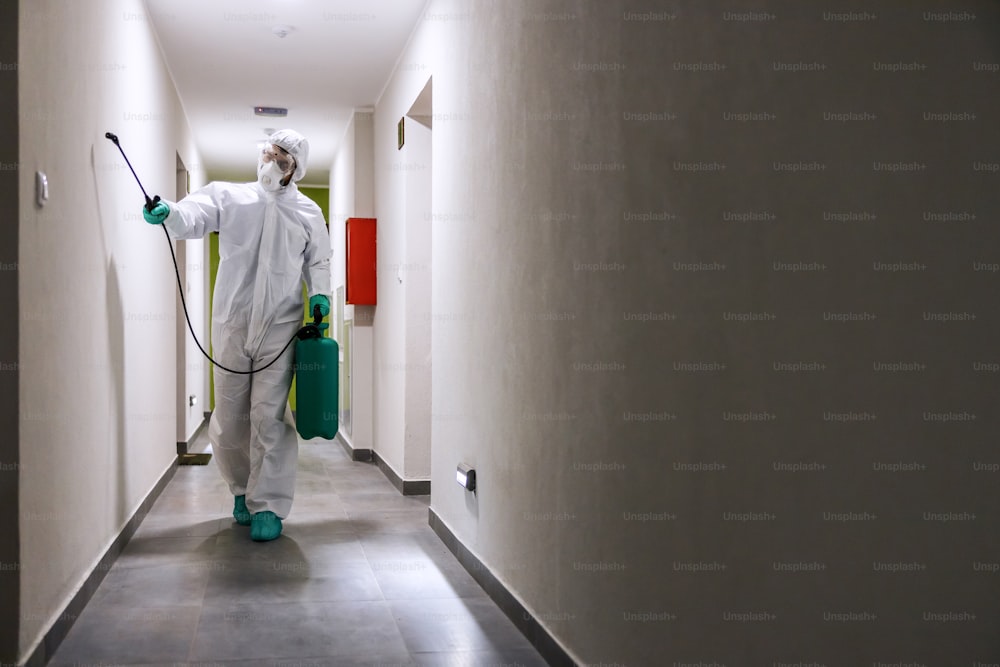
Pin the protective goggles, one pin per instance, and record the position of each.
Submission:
(281, 158)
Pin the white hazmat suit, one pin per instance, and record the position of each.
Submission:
(269, 242)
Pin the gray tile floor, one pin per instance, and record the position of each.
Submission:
(357, 578)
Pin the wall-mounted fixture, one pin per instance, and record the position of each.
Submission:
(270, 111)
(360, 260)
(466, 476)
(41, 188)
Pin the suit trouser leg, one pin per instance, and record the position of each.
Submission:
(274, 445)
(229, 428)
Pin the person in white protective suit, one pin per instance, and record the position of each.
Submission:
(271, 238)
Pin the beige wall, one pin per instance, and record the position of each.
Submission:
(97, 289)
(402, 363)
(415, 273)
(577, 355)
(593, 356)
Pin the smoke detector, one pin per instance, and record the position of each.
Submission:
(281, 31)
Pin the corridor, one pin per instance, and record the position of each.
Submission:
(704, 295)
(358, 578)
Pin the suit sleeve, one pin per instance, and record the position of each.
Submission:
(316, 265)
(197, 214)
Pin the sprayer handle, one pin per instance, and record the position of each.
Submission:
(150, 203)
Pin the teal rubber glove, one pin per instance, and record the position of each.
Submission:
(158, 214)
(317, 300)
(324, 309)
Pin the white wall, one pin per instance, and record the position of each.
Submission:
(389, 330)
(402, 318)
(191, 365)
(97, 289)
(571, 201)
(351, 187)
(364, 316)
(192, 371)
(342, 178)
(195, 367)
(416, 275)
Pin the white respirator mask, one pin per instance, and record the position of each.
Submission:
(269, 176)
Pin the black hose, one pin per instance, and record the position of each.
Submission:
(308, 330)
(180, 289)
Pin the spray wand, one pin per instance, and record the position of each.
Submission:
(150, 203)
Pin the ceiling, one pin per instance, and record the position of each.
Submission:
(225, 59)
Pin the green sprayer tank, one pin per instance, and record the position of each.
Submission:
(317, 361)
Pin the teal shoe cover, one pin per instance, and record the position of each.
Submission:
(240, 511)
(264, 526)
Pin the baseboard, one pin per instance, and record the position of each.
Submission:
(355, 454)
(182, 447)
(55, 635)
(533, 631)
(408, 487)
